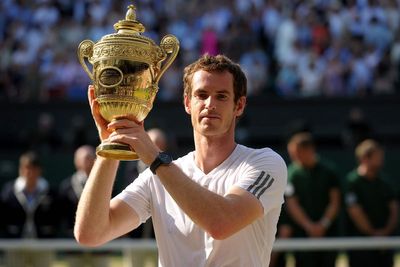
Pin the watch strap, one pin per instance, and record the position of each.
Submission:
(162, 159)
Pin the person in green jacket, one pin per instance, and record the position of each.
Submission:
(371, 205)
(313, 199)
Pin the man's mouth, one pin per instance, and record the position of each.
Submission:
(209, 116)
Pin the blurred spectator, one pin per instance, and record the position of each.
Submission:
(69, 193)
(319, 31)
(378, 35)
(371, 205)
(395, 52)
(287, 82)
(333, 82)
(313, 199)
(209, 41)
(385, 75)
(360, 75)
(271, 18)
(31, 212)
(285, 41)
(255, 65)
(311, 75)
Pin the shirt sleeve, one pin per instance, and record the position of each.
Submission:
(290, 189)
(137, 195)
(265, 177)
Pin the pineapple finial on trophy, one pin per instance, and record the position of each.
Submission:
(131, 14)
(129, 24)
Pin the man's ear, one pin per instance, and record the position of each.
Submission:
(240, 105)
(186, 101)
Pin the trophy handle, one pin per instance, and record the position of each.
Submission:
(170, 45)
(85, 50)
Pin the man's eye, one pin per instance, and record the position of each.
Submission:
(202, 96)
(222, 97)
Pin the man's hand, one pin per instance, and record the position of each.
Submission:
(128, 131)
(101, 123)
(315, 229)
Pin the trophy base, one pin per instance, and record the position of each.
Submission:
(116, 151)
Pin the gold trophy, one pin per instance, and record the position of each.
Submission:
(126, 70)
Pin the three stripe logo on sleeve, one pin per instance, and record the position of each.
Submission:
(261, 184)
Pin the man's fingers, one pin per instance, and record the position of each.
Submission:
(123, 123)
(91, 95)
(96, 111)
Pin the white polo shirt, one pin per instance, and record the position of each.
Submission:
(182, 243)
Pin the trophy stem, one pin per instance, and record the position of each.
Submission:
(116, 151)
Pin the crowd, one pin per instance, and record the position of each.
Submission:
(287, 48)
(318, 204)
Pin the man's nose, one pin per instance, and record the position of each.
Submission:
(210, 102)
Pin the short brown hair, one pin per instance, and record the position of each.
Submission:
(30, 158)
(367, 148)
(219, 63)
(302, 140)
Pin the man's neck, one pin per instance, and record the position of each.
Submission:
(211, 152)
(30, 187)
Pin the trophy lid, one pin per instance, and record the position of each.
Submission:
(129, 25)
(128, 43)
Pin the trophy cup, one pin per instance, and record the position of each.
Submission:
(126, 69)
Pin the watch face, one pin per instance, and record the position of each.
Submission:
(165, 158)
(162, 159)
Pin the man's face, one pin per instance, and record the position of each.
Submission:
(304, 156)
(211, 105)
(30, 172)
(376, 160)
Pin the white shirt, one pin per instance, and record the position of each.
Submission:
(180, 242)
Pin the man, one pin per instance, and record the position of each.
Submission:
(313, 198)
(371, 205)
(30, 212)
(216, 206)
(70, 192)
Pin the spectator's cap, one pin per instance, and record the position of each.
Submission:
(366, 148)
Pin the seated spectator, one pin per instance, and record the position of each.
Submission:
(371, 205)
(30, 206)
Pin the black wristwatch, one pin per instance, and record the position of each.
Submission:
(162, 159)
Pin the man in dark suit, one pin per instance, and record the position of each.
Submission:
(30, 206)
